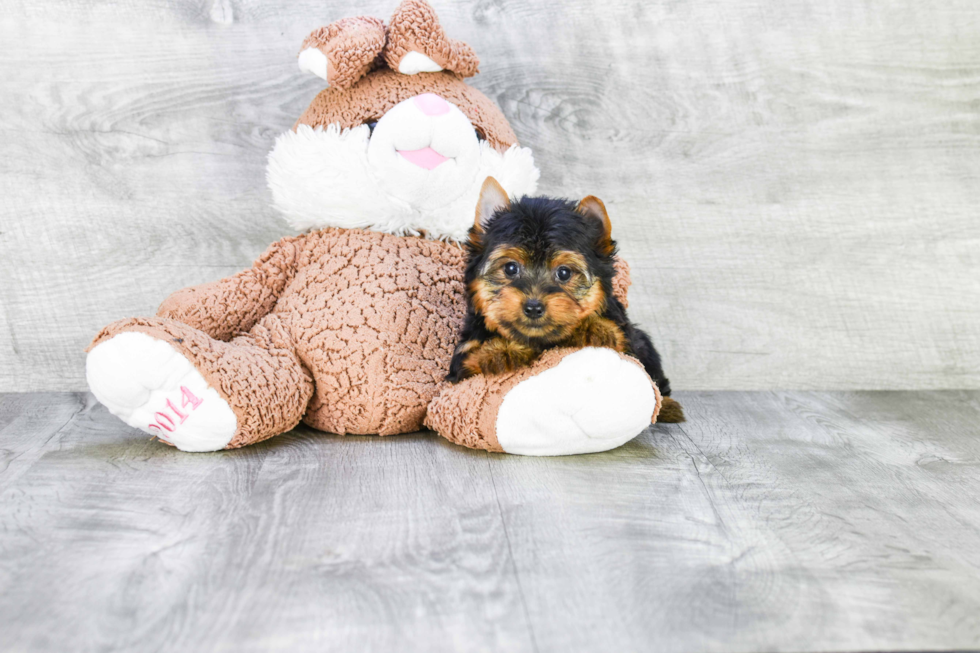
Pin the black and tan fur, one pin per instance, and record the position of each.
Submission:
(540, 275)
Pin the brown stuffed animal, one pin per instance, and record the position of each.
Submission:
(350, 327)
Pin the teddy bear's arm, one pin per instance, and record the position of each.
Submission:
(234, 304)
(567, 401)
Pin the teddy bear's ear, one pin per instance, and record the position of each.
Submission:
(418, 44)
(343, 51)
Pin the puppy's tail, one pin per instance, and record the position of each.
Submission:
(671, 412)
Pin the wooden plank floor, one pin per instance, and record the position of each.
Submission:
(770, 521)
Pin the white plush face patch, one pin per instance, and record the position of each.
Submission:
(419, 171)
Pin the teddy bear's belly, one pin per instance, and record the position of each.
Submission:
(377, 330)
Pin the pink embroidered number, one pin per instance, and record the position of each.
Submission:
(164, 422)
(189, 399)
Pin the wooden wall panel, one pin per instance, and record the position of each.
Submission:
(794, 183)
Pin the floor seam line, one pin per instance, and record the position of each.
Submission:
(510, 554)
(5, 485)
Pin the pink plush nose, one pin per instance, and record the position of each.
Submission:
(431, 104)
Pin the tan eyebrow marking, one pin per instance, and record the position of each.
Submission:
(504, 252)
(570, 259)
(573, 260)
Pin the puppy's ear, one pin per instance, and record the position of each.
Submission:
(592, 207)
(493, 197)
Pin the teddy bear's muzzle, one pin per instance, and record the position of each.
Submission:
(432, 106)
(423, 150)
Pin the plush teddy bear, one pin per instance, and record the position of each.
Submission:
(350, 326)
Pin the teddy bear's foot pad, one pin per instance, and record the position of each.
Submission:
(149, 385)
(593, 400)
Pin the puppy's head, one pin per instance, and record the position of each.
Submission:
(538, 266)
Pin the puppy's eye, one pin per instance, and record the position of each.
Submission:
(511, 269)
(371, 125)
(563, 273)
(479, 134)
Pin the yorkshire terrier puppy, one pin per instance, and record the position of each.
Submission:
(539, 275)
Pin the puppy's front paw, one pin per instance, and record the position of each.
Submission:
(599, 332)
(457, 366)
(499, 356)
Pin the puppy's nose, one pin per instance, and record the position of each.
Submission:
(533, 308)
(431, 104)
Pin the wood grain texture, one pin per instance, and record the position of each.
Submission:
(778, 521)
(795, 184)
(111, 541)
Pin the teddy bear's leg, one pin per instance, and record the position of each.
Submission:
(567, 402)
(195, 392)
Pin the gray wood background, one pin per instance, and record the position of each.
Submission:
(795, 183)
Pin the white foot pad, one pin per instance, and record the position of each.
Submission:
(147, 384)
(593, 400)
